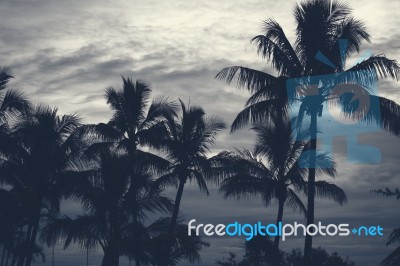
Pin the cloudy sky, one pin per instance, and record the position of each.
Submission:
(65, 53)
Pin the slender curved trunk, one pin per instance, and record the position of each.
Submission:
(311, 187)
(278, 220)
(175, 212)
(107, 260)
(111, 256)
(87, 256)
(177, 204)
(276, 260)
(110, 259)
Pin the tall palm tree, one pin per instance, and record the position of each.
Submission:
(114, 207)
(323, 28)
(189, 142)
(36, 159)
(272, 170)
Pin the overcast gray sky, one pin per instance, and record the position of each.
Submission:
(65, 53)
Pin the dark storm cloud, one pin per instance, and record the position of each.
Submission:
(66, 53)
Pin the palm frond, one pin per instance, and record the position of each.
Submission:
(251, 79)
(275, 46)
(370, 70)
(294, 202)
(328, 190)
(5, 77)
(258, 113)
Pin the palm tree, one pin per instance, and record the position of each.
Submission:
(190, 139)
(323, 28)
(37, 157)
(135, 122)
(114, 207)
(272, 170)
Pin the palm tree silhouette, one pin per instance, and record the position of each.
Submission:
(189, 142)
(114, 207)
(272, 170)
(38, 155)
(321, 29)
(135, 121)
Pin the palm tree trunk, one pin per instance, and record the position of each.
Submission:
(110, 258)
(311, 187)
(275, 259)
(106, 260)
(176, 205)
(87, 255)
(278, 220)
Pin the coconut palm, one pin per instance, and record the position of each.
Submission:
(113, 205)
(324, 30)
(135, 124)
(191, 136)
(272, 170)
(36, 159)
(135, 121)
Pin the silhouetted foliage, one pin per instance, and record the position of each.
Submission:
(190, 138)
(320, 257)
(322, 28)
(271, 170)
